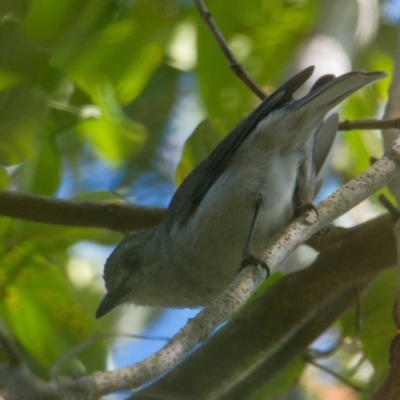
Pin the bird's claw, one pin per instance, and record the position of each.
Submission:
(251, 259)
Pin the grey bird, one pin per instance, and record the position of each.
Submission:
(234, 202)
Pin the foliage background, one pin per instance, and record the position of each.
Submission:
(96, 100)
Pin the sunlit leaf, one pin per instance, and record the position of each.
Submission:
(34, 288)
(115, 136)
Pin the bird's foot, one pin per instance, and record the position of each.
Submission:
(251, 259)
(305, 208)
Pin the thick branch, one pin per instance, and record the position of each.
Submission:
(236, 67)
(115, 215)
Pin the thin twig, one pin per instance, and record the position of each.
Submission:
(93, 339)
(391, 208)
(337, 376)
(196, 331)
(314, 353)
(234, 64)
(369, 124)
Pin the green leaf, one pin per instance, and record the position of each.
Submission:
(14, 9)
(378, 327)
(52, 238)
(34, 288)
(42, 174)
(4, 181)
(281, 383)
(47, 19)
(123, 54)
(203, 140)
(115, 137)
(21, 60)
(361, 145)
(158, 95)
(4, 185)
(23, 113)
(263, 35)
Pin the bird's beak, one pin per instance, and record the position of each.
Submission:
(110, 301)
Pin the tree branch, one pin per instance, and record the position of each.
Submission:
(234, 64)
(369, 124)
(115, 215)
(281, 322)
(200, 327)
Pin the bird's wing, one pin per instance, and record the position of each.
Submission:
(316, 152)
(193, 189)
(326, 93)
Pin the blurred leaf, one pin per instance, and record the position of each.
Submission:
(379, 61)
(4, 181)
(282, 382)
(224, 95)
(23, 113)
(274, 278)
(378, 327)
(61, 120)
(4, 185)
(42, 174)
(360, 145)
(152, 108)
(203, 140)
(20, 57)
(47, 19)
(14, 9)
(277, 33)
(9, 79)
(116, 137)
(115, 55)
(53, 322)
(263, 36)
(49, 239)
(123, 53)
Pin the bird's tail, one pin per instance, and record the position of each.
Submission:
(331, 93)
